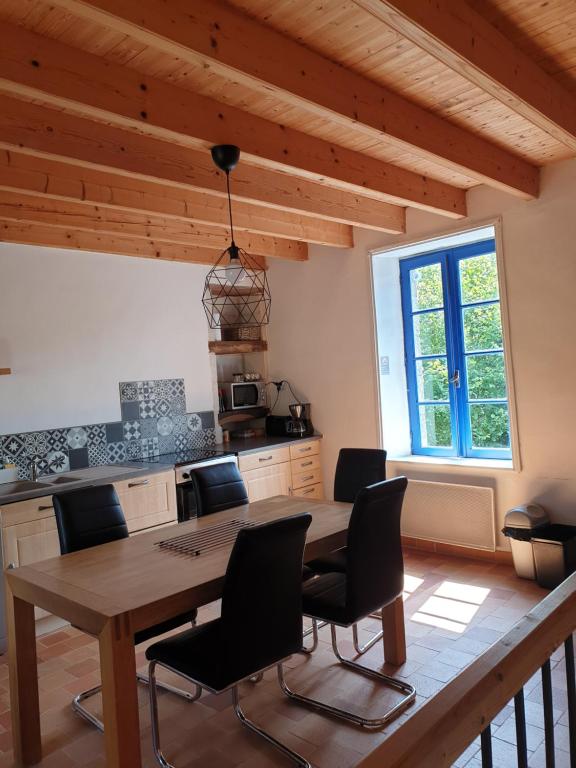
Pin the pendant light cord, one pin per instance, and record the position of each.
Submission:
(230, 206)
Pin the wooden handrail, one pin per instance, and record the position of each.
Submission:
(437, 734)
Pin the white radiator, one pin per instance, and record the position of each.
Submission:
(450, 513)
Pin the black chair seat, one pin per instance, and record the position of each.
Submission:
(325, 598)
(335, 562)
(166, 626)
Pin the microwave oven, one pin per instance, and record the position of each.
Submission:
(244, 394)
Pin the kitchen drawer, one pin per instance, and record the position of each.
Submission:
(307, 448)
(306, 463)
(315, 491)
(263, 458)
(26, 511)
(308, 477)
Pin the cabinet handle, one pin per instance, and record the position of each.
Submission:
(306, 491)
(305, 479)
(305, 450)
(266, 458)
(138, 482)
(43, 509)
(307, 463)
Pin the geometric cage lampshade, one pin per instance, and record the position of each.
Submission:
(236, 291)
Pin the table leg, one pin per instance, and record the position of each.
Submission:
(23, 669)
(119, 694)
(394, 633)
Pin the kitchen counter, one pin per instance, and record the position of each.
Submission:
(253, 444)
(100, 475)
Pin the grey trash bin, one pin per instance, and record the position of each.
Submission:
(520, 525)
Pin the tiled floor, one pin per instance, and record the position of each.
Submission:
(454, 609)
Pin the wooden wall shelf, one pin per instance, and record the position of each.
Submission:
(231, 417)
(237, 347)
(5, 371)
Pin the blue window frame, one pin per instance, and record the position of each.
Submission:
(457, 391)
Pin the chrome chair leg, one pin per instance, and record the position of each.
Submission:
(408, 691)
(360, 649)
(83, 712)
(142, 678)
(153, 692)
(314, 631)
(294, 756)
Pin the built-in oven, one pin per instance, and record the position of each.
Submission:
(186, 488)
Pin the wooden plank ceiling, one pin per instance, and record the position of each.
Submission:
(347, 112)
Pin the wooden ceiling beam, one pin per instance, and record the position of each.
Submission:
(37, 130)
(56, 180)
(458, 36)
(53, 213)
(54, 237)
(212, 34)
(35, 68)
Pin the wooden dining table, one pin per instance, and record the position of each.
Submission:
(114, 590)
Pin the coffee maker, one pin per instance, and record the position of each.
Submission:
(298, 424)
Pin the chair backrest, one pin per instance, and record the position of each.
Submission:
(375, 567)
(88, 517)
(218, 487)
(357, 468)
(262, 596)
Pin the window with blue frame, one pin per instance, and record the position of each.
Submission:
(456, 374)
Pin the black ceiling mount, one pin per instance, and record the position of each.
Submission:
(225, 156)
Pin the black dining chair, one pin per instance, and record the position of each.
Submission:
(264, 577)
(356, 468)
(374, 578)
(88, 517)
(218, 487)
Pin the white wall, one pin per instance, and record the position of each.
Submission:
(322, 337)
(74, 324)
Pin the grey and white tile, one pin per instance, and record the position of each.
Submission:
(146, 391)
(132, 430)
(182, 442)
(207, 419)
(37, 443)
(96, 434)
(148, 428)
(150, 447)
(116, 452)
(97, 454)
(134, 450)
(166, 444)
(194, 422)
(77, 437)
(14, 446)
(128, 391)
(165, 426)
(58, 461)
(130, 411)
(148, 409)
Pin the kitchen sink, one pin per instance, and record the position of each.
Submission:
(61, 479)
(20, 486)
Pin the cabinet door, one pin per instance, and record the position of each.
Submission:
(148, 501)
(28, 543)
(268, 481)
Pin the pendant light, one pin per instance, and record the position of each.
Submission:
(236, 292)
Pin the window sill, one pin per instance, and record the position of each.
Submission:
(446, 461)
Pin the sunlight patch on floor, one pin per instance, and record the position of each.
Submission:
(452, 606)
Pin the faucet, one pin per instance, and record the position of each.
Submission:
(33, 467)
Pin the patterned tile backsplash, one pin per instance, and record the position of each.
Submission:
(154, 421)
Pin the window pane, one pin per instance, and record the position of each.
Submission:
(429, 334)
(479, 278)
(482, 328)
(432, 377)
(435, 426)
(486, 377)
(490, 426)
(426, 287)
